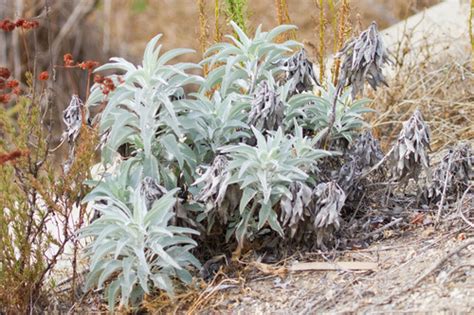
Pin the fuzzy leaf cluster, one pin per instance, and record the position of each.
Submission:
(135, 248)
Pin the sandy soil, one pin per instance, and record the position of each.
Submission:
(402, 258)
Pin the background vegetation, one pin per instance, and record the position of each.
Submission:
(195, 148)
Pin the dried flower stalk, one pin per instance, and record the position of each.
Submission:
(293, 209)
(409, 154)
(455, 171)
(367, 149)
(73, 118)
(299, 69)
(267, 109)
(326, 212)
(363, 59)
(151, 191)
(216, 183)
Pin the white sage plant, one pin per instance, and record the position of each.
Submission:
(135, 249)
(264, 173)
(238, 148)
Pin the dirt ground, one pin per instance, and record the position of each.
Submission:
(402, 259)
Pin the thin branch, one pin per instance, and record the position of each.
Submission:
(76, 17)
(383, 228)
(461, 214)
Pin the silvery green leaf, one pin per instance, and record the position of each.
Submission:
(173, 53)
(242, 36)
(264, 213)
(271, 35)
(112, 292)
(120, 251)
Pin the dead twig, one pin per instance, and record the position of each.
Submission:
(461, 214)
(341, 265)
(80, 11)
(383, 228)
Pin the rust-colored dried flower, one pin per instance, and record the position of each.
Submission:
(12, 84)
(7, 25)
(43, 76)
(4, 98)
(98, 79)
(20, 22)
(88, 65)
(68, 60)
(28, 25)
(9, 156)
(106, 84)
(4, 73)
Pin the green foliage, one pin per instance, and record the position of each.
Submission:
(137, 245)
(139, 6)
(264, 173)
(239, 150)
(35, 199)
(212, 123)
(142, 107)
(241, 65)
(236, 10)
(348, 121)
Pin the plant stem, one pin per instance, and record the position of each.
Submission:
(322, 27)
(332, 118)
(340, 37)
(217, 34)
(203, 30)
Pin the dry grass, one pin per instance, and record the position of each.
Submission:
(441, 88)
(177, 20)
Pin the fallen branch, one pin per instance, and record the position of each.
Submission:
(315, 266)
(376, 166)
(342, 265)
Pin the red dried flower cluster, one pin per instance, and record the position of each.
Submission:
(88, 65)
(12, 84)
(43, 76)
(106, 84)
(9, 26)
(26, 25)
(6, 84)
(4, 73)
(4, 98)
(84, 65)
(68, 61)
(9, 156)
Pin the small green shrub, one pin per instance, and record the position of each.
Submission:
(243, 151)
(136, 244)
